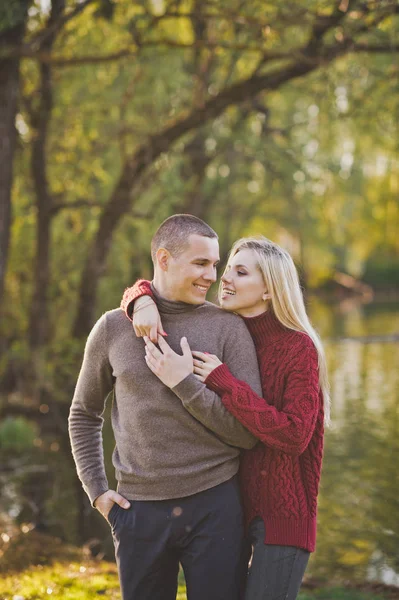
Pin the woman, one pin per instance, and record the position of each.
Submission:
(279, 478)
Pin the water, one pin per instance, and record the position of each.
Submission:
(358, 532)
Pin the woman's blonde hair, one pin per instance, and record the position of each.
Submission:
(282, 282)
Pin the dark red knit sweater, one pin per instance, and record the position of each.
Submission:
(280, 476)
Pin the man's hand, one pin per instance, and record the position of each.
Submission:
(105, 502)
(169, 367)
(146, 319)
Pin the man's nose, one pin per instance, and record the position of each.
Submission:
(210, 274)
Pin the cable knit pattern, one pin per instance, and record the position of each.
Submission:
(280, 476)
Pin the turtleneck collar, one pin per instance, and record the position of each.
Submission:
(172, 306)
(264, 327)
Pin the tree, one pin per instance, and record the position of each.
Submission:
(213, 41)
(13, 16)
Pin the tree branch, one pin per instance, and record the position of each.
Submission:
(48, 58)
(39, 38)
(322, 24)
(374, 48)
(72, 205)
(228, 15)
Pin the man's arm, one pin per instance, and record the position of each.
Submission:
(207, 407)
(94, 384)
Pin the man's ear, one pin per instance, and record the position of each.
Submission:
(163, 257)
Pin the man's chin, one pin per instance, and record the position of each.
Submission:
(193, 299)
(197, 299)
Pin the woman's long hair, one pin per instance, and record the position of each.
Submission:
(282, 282)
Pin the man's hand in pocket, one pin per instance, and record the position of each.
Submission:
(105, 502)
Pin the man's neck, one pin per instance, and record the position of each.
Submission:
(163, 289)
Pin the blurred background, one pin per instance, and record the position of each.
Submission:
(270, 117)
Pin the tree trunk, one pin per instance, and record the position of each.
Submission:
(12, 28)
(39, 315)
(41, 116)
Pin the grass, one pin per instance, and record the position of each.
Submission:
(73, 581)
(86, 580)
(338, 594)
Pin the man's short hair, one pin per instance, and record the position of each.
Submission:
(173, 234)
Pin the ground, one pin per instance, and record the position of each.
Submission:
(87, 579)
(37, 567)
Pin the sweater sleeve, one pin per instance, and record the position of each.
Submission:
(206, 406)
(142, 287)
(289, 429)
(94, 383)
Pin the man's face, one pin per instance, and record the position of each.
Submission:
(190, 275)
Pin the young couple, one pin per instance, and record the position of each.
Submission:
(213, 473)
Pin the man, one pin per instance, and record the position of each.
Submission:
(177, 447)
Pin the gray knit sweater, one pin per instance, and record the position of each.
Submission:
(169, 443)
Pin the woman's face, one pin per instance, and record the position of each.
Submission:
(243, 288)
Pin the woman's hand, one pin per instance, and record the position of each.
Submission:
(169, 367)
(204, 364)
(146, 319)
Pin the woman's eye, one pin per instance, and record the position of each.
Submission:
(241, 272)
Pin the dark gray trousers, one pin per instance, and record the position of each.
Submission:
(203, 532)
(275, 572)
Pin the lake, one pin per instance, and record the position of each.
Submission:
(358, 533)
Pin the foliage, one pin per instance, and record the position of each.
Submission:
(16, 435)
(311, 164)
